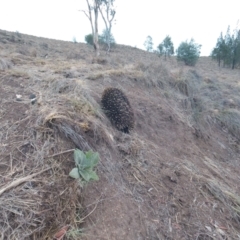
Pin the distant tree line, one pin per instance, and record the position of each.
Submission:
(227, 49)
(188, 52)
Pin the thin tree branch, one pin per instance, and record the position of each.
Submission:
(85, 13)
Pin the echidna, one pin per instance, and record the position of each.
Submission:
(118, 109)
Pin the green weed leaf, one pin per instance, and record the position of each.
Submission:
(74, 173)
(79, 157)
(85, 162)
(94, 176)
(92, 157)
(88, 175)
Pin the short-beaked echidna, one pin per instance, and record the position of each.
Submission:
(118, 109)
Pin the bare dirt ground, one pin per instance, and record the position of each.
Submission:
(175, 176)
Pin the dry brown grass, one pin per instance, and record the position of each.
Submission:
(37, 196)
(175, 177)
(5, 64)
(229, 119)
(32, 180)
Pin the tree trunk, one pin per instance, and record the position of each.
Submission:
(108, 40)
(108, 23)
(95, 41)
(95, 26)
(233, 63)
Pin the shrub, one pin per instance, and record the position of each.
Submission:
(188, 52)
(89, 39)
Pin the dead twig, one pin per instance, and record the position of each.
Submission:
(93, 209)
(20, 181)
(90, 212)
(57, 154)
(146, 178)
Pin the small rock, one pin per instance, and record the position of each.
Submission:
(19, 97)
(33, 98)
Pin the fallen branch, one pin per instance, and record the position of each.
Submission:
(20, 181)
(54, 155)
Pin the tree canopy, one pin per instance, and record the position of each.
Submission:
(148, 44)
(188, 52)
(227, 49)
(166, 48)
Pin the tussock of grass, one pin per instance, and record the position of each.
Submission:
(153, 75)
(206, 102)
(95, 76)
(27, 209)
(225, 195)
(18, 73)
(38, 207)
(39, 62)
(120, 73)
(80, 106)
(74, 95)
(100, 60)
(62, 86)
(215, 189)
(181, 85)
(5, 64)
(157, 173)
(24, 51)
(72, 130)
(131, 74)
(230, 119)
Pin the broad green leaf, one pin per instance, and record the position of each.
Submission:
(88, 175)
(95, 159)
(79, 156)
(86, 164)
(74, 173)
(88, 154)
(92, 157)
(94, 176)
(85, 174)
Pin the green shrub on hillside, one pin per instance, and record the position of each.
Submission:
(188, 52)
(89, 39)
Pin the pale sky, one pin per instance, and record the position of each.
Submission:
(135, 20)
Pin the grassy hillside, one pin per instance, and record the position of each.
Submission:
(175, 176)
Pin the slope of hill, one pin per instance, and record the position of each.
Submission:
(175, 176)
